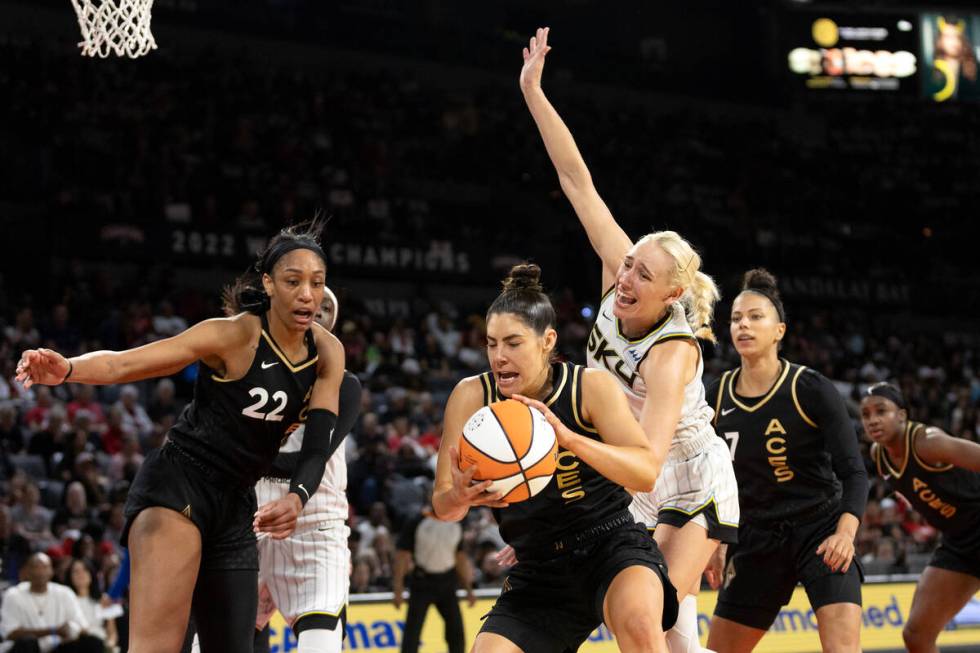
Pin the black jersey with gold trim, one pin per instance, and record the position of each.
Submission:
(236, 426)
(578, 497)
(784, 460)
(947, 497)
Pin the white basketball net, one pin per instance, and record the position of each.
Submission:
(115, 26)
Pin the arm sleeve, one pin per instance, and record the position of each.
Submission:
(284, 466)
(822, 404)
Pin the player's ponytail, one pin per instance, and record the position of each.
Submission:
(700, 290)
(524, 296)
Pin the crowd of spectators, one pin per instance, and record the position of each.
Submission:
(236, 143)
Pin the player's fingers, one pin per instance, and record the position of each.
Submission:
(544, 38)
(820, 549)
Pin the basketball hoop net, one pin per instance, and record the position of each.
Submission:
(115, 26)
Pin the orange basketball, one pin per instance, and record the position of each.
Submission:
(512, 445)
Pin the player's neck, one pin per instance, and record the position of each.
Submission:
(758, 375)
(896, 446)
(542, 386)
(289, 340)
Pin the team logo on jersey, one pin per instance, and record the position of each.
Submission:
(266, 365)
(637, 356)
(569, 477)
(601, 352)
(777, 446)
(186, 512)
(931, 499)
(726, 411)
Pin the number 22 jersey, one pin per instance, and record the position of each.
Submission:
(236, 426)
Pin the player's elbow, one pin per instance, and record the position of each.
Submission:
(575, 181)
(651, 470)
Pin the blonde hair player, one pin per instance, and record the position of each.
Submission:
(306, 575)
(583, 558)
(657, 303)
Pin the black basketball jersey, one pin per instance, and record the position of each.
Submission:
(578, 496)
(947, 497)
(235, 426)
(781, 459)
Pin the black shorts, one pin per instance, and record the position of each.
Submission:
(954, 556)
(554, 605)
(223, 513)
(762, 570)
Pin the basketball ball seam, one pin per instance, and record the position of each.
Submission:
(516, 461)
(546, 453)
(511, 444)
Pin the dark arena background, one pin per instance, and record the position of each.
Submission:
(821, 141)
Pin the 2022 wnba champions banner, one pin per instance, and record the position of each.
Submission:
(377, 625)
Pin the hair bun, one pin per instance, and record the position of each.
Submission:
(524, 276)
(760, 279)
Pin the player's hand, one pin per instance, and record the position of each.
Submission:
(562, 432)
(506, 557)
(468, 493)
(278, 518)
(41, 366)
(534, 56)
(837, 551)
(714, 572)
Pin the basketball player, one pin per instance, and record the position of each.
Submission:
(656, 305)
(802, 485)
(583, 559)
(305, 576)
(191, 511)
(938, 474)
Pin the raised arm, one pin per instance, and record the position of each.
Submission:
(608, 239)
(207, 339)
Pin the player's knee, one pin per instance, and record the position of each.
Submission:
(916, 638)
(641, 630)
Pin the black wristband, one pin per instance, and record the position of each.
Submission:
(71, 368)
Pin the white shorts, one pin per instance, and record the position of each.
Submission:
(701, 489)
(305, 575)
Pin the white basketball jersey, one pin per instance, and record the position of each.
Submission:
(609, 349)
(328, 502)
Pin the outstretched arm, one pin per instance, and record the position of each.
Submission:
(608, 239)
(160, 358)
